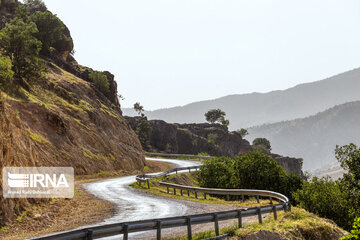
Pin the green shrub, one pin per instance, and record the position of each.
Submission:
(6, 74)
(256, 170)
(50, 29)
(262, 144)
(216, 173)
(355, 232)
(18, 43)
(143, 131)
(325, 198)
(211, 137)
(100, 80)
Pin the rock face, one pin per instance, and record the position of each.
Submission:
(64, 121)
(213, 139)
(193, 138)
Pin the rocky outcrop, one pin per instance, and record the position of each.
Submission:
(61, 50)
(64, 121)
(213, 139)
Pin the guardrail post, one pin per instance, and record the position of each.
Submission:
(274, 211)
(174, 191)
(158, 230)
(188, 193)
(176, 171)
(188, 220)
(239, 219)
(189, 170)
(148, 184)
(242, 198)
(181, 192)
(289, 206)
(204, 195)
(195, 194)
(167, 189)
(257, 199)
(285, 207)
(216, 224)
(89, 234)
(259, 215)
(126, 231)
(271, 201)
(227, 197)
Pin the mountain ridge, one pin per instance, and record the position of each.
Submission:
(314, 138)
(252, 109)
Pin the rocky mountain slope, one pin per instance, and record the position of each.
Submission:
(213, 139)
(314, 138)
(253, 109)
(62, 120)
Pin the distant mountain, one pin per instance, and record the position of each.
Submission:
(314, 138)
(253, 109)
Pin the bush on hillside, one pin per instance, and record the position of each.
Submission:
(256, 170)
(50, 30)
(337, 200)
(253, 170)
(100, 80)
(6, 74)
(355, 232)
(18, 43)
(216, 173)
(262, 144)
(325, 198)
(143, 130)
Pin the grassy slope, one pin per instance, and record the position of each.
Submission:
(297, 224)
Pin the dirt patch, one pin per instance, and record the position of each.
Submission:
(63, 214)
(58, 214)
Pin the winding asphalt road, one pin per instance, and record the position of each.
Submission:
(134, 205)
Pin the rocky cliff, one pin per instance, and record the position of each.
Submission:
(62, 120)
(213, 139)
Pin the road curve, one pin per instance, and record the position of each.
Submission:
(134, 205)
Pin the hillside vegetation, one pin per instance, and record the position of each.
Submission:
(314, 138)
(53, 112)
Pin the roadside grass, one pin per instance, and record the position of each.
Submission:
(289, 225)
(190, 179)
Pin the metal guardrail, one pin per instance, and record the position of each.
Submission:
(146, 177)
(163, 223)
(226, 192)
(171, 155)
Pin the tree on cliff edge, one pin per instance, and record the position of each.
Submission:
(18, 43)
(262, 144)
(139, 109)
(216, 115)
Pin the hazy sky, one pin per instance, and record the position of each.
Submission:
(166, 53)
